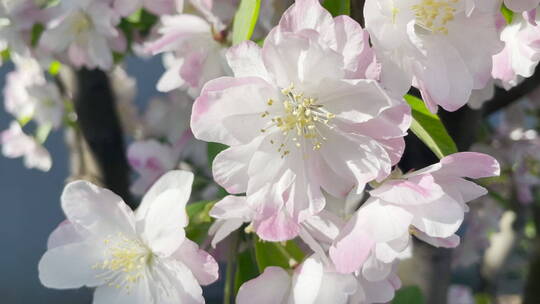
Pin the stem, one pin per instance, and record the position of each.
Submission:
(231, 265)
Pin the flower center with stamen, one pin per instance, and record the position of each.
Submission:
(126, 261)
(300, 121)
(434, 15)
(81, 23)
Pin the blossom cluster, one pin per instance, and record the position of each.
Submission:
(313, 119)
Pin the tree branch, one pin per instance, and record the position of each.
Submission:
(100, 127)
(504, 98)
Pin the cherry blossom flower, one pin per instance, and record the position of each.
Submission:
(315, 282)
(28, 95)
(300, 121)
(15, 143)
(427, 43)
(194, 52)
(151, 160)
(230, 214)
(521, 53)
(130, 257)
(429, 203)
(86, 31)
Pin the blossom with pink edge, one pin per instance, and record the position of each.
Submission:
(521, 53)
(315, 281)
(292, 112)
(28, 95)
(15, 143)
(130, 257)
(230, 214)
(17, 18)
(150, 159)
(194, 52)
(86, 31)
(428, 44)
(429, 204)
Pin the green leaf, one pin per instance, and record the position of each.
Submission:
(409, 295)
(245, 20)
(507, 14)
(37, 30)
(6, 55)
(482, 298)
(338, 7)
(283, 254)
(429, 128)
(246, 268)
(213, 150)
(199, 220)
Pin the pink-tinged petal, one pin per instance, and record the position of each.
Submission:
(375, 270)
(352, 248)
(245, 59)
(151, 160)
(221, 229)
(306, 14)
(416, 190)
(70, 266)
(177, 30)
(335, 288)
(231, 212)
(330, 179)
(359, 158)
(232, 207)
(448, 242)
(470, 164)
(354, 101)
(353, 43)
(66, 233)
(163, 7)
(307, 280)
(276, 226)
(161, 217)
(202, 265)
(379, 291)
(193, 67)
(139, 293)
(177, 280)
(301, 60)
(445, 79)
(171, 80)
(441, 218)
(126, 7)
(521, 5)
(230, 167)
(462, 190)
(97, 210)
(383, 222)
(271, 287)
(232, 100)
